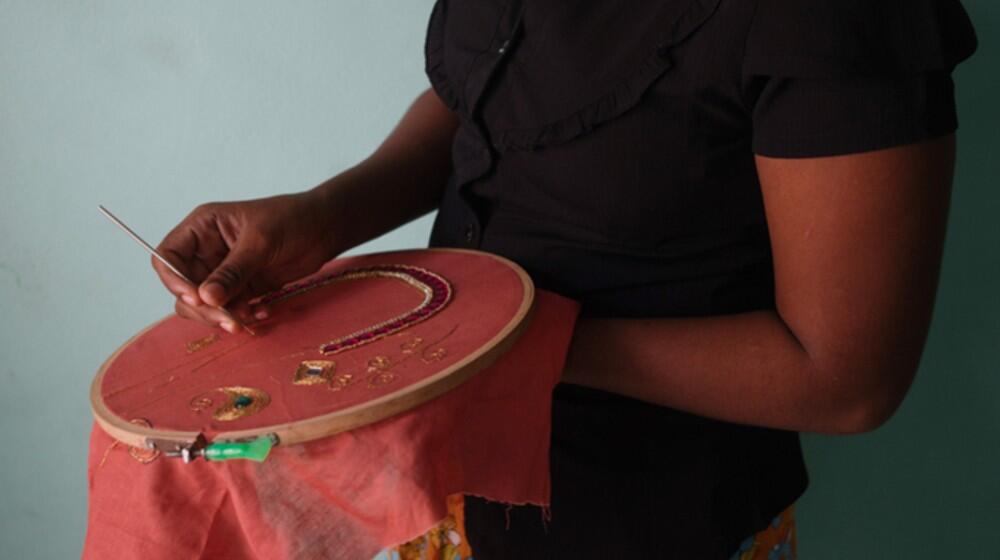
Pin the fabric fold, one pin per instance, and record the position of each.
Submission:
(620, 96)
(353, 494)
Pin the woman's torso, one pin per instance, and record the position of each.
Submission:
(608, 147)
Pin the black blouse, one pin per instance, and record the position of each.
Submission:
(607, 147)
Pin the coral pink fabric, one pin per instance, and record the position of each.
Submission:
(350, 495)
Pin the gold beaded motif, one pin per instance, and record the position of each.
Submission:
(240, 403)
(314, 372)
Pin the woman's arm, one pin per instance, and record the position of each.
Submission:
(857, 243)
(402, 180)
(237, 250)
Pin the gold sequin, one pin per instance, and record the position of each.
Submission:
(341, 382)
(435, 355)
(200, 403)
(196, 345)
(379, 363)
(314, 372)
(410, 346)
(240, 403)
(381, 378)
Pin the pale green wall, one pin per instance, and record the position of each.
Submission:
(154, 107)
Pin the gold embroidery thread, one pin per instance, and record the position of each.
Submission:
(201, 343)
(144, 456)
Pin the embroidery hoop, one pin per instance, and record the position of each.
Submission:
(465, 298)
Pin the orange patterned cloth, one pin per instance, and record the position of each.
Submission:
(776, 542)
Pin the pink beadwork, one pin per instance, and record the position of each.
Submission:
(437, 293)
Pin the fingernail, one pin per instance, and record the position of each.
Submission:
(229, 326)
(262, 314)
(189, 300)
(215, 291)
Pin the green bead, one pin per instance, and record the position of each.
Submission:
(243, 401)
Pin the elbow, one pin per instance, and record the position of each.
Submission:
(862, 417)
(868, 404)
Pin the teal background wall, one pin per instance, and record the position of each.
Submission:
(153, 107)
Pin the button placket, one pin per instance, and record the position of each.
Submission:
(477, 153)
(479, 77)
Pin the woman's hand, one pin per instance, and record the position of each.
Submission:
(236, 251)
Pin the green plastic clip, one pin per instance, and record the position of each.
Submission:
(256, 450)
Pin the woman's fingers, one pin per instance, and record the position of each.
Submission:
(261, 311)
(233, 274)
(175, 284)
(179, 247)
(206, 315)
(195, 247)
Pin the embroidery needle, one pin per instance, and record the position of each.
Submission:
(142, 242)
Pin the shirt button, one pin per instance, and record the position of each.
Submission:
(470, 233)
(503, 47)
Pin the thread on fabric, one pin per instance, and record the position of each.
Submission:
(201, 343)
(144, 456)
(546, 518)
(104, 458)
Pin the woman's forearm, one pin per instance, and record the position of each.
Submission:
(857, 243)
(745, 368)
(402, 180)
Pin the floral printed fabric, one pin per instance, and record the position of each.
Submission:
(776, 542)
(446, 541)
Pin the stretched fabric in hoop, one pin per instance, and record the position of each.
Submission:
(350, 495)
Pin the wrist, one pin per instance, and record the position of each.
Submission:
(327, 199)
(579, 368)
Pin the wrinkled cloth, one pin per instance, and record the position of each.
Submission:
(350, 495)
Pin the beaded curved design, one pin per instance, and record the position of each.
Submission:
(437, 293)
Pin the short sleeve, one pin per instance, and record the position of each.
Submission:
(830, 77)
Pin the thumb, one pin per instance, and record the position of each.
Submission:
(232, 275)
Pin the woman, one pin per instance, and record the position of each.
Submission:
(749, 198)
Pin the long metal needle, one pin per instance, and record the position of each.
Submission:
(142, 242)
